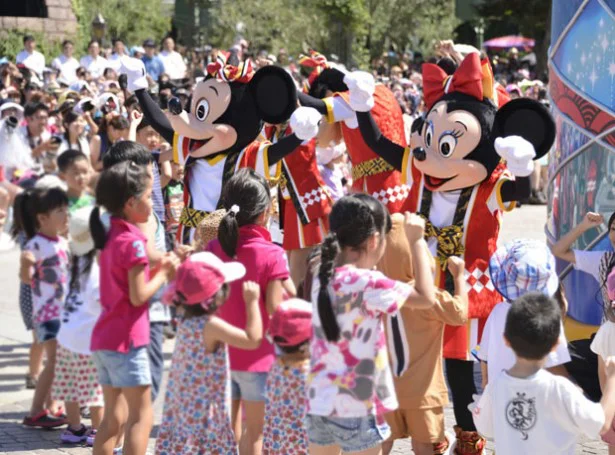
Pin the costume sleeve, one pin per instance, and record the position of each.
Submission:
(588, 262)
(561, 355)
(257, 155)
(391, 152)
(155, 116)
(585, 415)
(483, 413)
(450, 309)
(384, 295)
(334, 108)
(496, 200)
(283, 147)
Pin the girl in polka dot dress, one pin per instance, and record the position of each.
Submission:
(196, 418)
(76, 378)
(290, 328)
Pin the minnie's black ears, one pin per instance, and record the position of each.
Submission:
(529, 119)
(274, 93)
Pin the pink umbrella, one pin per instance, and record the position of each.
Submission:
(506, 42)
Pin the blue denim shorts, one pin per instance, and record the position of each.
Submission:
(119, 369)
(248, 386)
(353, 434)
(46, 331)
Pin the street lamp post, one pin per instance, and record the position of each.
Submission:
(479, 29)
(99, 27)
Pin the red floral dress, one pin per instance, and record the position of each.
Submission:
(285, 405)
(196, 418)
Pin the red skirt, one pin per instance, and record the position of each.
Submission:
(298, 235)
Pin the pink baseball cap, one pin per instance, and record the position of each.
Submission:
(201, 276)
(291, 323)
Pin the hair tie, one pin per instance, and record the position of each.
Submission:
(234, 210)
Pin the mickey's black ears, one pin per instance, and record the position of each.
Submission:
(529, 119)
(274, 93)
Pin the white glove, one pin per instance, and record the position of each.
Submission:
(134, 69)
(304, 122)
(518, 154)
(472, 406)
(361, 87)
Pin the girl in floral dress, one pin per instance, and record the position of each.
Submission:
(350, 385)
(196, 417)
(290, 328)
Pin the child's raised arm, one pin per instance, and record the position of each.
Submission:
(251, 337)
(563, 247)
(140, 289)
(424, 294)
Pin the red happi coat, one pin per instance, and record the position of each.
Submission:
(307, 190)
(481, 228)
(385, 186)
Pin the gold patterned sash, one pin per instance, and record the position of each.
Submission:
(192, 217)
(370, 167)
(449, 240)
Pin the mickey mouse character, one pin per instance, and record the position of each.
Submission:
(461, 185)
(328, 93)
(218, 135)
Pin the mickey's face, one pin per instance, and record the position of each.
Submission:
(210, 100)
(440, 149)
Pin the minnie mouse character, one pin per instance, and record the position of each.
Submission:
(218, 135)
(461, 166)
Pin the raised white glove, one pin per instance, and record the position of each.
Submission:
(304, 122)
(134, 69)
(472, 406)
(518, 154)
(361, 86)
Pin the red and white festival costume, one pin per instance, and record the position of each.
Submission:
(477, 229)
(370, 173)
(305, 195)
(205, 178)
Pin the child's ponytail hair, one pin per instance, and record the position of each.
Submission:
(353, 220)
(34, 202)
(246, 196)
(116, 185)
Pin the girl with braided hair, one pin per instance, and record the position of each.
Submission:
(350, 383)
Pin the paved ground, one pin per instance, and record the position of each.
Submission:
(14, 340)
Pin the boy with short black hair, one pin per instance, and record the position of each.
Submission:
(74, 168)
(542, 413)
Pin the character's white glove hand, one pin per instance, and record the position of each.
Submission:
(361, 86)
(304, 122)
(134, 69)
(518, 154)
(472, 406)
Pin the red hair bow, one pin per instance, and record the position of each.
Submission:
(315, 60)
(230, 73)
(473, 77)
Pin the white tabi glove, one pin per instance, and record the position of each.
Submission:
(518, 154)
(134, 69)
(304, 122)
(361, 86)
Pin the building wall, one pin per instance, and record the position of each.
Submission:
(59, 23)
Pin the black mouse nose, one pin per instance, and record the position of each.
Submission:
(419, 153)
(175, 106)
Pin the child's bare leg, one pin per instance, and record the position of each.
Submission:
(43, 386)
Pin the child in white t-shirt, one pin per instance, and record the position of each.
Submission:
(604, 347)
(526, 409)
(519, 267)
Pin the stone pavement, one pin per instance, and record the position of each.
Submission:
(14, 340)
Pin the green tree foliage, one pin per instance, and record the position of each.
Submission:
(11, 44)
(531, 18)
(131, 20)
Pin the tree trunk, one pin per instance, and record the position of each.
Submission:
(542, 49)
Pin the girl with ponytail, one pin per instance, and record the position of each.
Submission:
(243, 237)
(350, 383)
(122, 333)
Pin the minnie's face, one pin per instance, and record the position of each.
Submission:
(210, 100)
(441, 146)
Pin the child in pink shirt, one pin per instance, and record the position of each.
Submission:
(243, 237)
(121, 334)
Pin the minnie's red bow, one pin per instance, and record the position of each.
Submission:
(314, 60)
(473, 78)
(230, 73)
